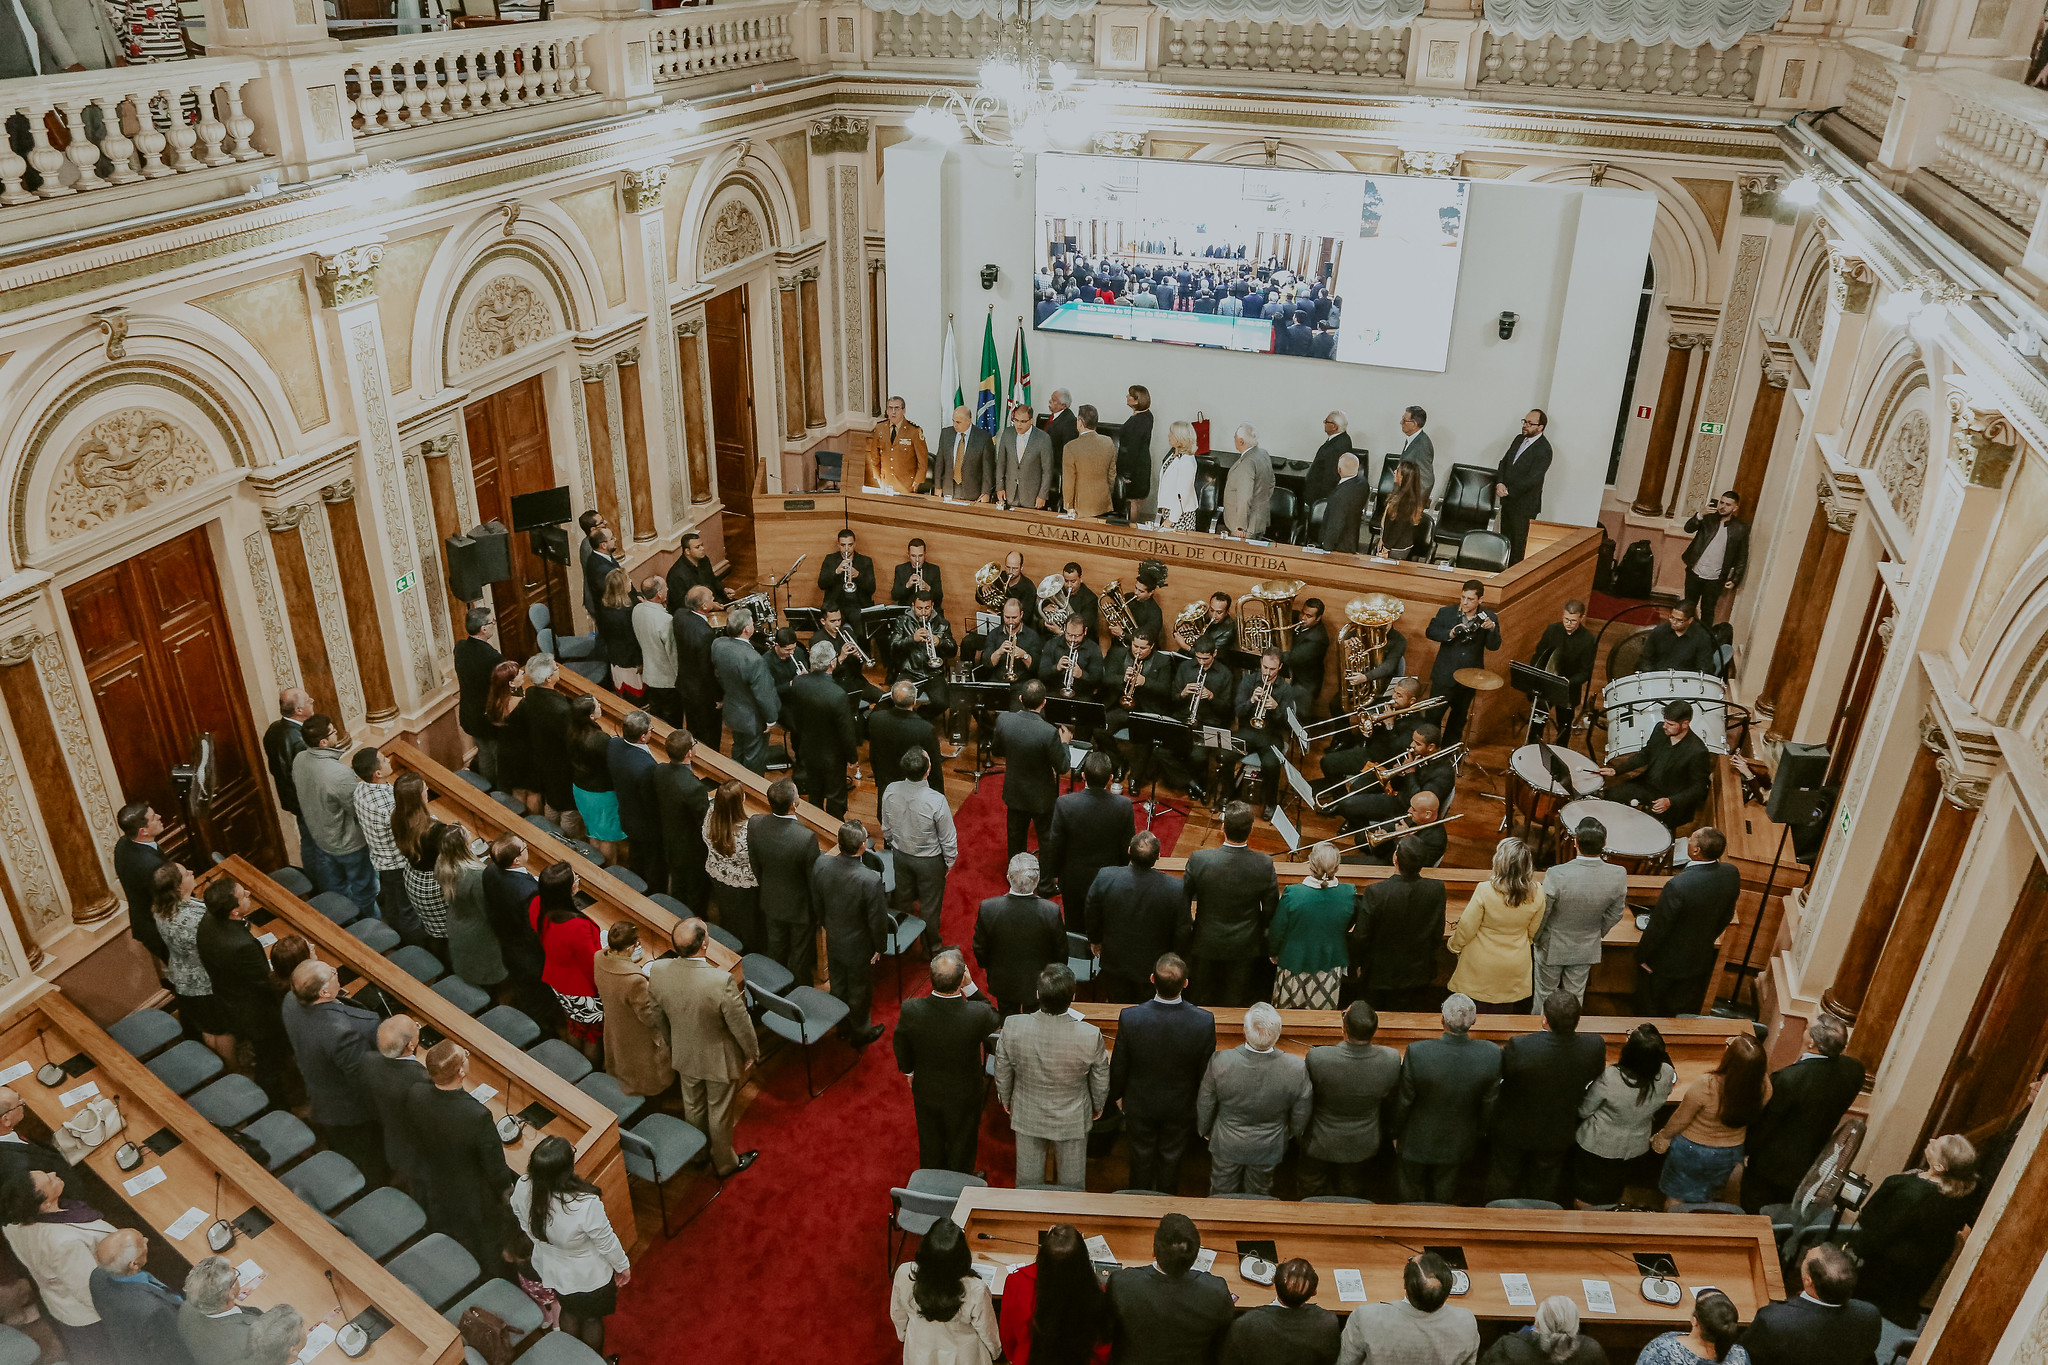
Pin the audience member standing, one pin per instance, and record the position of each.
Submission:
(632, 765)
(1716, 1327)
(375, 796)
(462, 1174)
(1554, 1340)
(1091, 830)
(1052, 1076)
(547, 715)
(939, 1042)
(1395, 938)
(473, 950)
(1823, 1324)
(782, 849)
(750, 702)
(178, 916)
(1351, 1082)
(509, 890)
(326, 795)
(418, 836)
(1168, 1313)
(1253, 1099)
(1054, 1311)
(1543, 1078)
(621, 642)
(820, 726)
(1675, 956)
(917, 825)
(575, 1251)
(1232, 892)
(1445, 1103)
(1587, 897)
(1163, 1051)
(697, 683)
(1292, 1331)
(1135, 915)
(475, 657)
(1617, 1115)
(635, 1043)
(1702, 1140)
(656, 633)
(331, 1037)
(1088, 468)
(590, 778)
(1307, 939)
(139, 1311)
(1494, 934)
(389, 1076)
(283, 742)
(710, 1039)
(240, 976)
(136, 859)
(569, 945)
(1420, 1328)
(942, 1310)
(54, 1238)
(1909, 1226)
(683, 801)
(735, 894)
(855, 912)
(1808, 1098)
(1017, 936)
(1034, 755)
(513, 756)
(212, 1322)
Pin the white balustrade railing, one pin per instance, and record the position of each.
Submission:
(1292, 49)
(1586, 65)
(414, 80)
(1867, 103)
(925, 36)
(95, 130)
(685, 43)
(1993, 147)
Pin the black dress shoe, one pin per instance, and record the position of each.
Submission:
(746, 1159)
(866, 1036)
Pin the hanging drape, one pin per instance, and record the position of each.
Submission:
(1688, 23)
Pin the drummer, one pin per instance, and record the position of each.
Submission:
(1422, 825)
(1667, 776)
(1680, 645)
(1567, 649)
(1435, 774)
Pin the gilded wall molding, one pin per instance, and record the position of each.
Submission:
(277, 632)
(839, 133)
(318, 539)
(386, 476)
(42, 905)
(79, 755)
(348, 276)
(1719, 402)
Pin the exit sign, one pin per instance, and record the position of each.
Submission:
(404, 582)
(1713, 428)
(1643, 411)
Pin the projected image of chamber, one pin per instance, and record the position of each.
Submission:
(1318, 264)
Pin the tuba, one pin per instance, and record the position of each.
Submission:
(1054, 606)
(1363, 643)
(1265, 615)
(1187, 627)
(1115, 610)
(988, 586)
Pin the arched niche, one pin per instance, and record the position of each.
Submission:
(511, 299)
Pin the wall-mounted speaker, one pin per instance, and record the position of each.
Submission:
(478, 559)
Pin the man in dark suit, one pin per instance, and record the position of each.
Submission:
(1444, 1104)
(821, 723)
(683, 800)
(633, 766)
(1232, 892)
(1307, 653)
(475, 657)
(1034, 755)
(855, 912)
(847, 578)
(1322, 473)
(1824, 1325)
(1542, 1078)
(1718, 556)
(1169, 1313)
(136, 859)
(390, 1075)
(1567, 649)
(598, 566)
(462, 1172)
(1264, 700)
(282, 743)
(1294, 336)
(1135, 915)
(1668, 776)
(939, 1043)
(916, 572)
(331, 1037)
(1518, 482)
(1808, 1098)
(1091, 830)
(965, 464)
(1463, 634)
(545, 715)
(1344, 513)
(1675, 956)
(1018, 936)
(782, 849)
(1396, 932)
(894, 729)
(139, 1311)
(1061, 424)
(1155, 1073)
(1680, 643)
(696, 681)
(692, 569)
(240, 974)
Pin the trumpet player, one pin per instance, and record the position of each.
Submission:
(915, 575)
(847, 577)
(850, 657)
(1082, 601)
(1263, 700)
(1204, 696)
(923, 646)
(1072, 666)
(1143, 600)
(1010, 652)
(1433, 773)
(1463, 634)
(1136, 677)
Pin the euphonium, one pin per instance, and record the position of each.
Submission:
(988, 586)
(1265, 615)
(1115, 610)
(1363, 644)
(1187, 627)
(1054, 605)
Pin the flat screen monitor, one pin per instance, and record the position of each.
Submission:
(549, 507)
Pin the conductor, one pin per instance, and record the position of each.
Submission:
(1668, 775)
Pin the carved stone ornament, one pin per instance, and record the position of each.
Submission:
(1958, 788)
(1596, 173)
(689, 327)
(1690, 341)
(1853, 280)
(643, 187)
(16, 650)
(1902, 466)
(1760, 195)
(506, 317)
(594, 373)
(113, 324)
(1884, 632)
(1777, 373)
(1120, 144)
(839, 133)
(438, 447)
(735, 234)
(1982, 443)
(342, 490)
(509, 211)
(286, 518)
(120, 464)
(629, 356)
(1430, 163)
(348, 276)
(1840, 511)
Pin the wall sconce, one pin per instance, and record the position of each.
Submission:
(989, 275)
(1507, 325)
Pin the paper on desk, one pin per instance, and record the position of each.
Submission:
(1517, 1289)
(81, 1094)
(266, 939)
(1351, 1287)
(1098, 1250)
(993, 1274)
(1205, 1260)
(1599, 1295)
(16, 1072)
(484, 1093)
(1700, 1289)
(187, 1224)
(248, 1272)
(137, 1184)
(319, 1339)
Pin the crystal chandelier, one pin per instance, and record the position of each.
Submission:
(1020, 100)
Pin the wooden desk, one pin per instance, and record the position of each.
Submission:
(456, 801)
(962, 537)
(588, 1125)
(296, 1252)
(1555, 1250)
(1695, 1045)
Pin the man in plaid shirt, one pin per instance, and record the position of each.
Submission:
(374, 798)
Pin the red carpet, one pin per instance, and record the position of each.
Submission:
(787, 1264)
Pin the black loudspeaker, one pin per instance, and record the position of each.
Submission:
(1796, 797)
(482, 557)
(550, 542)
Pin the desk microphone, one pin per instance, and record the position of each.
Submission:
(352, 1339)
(221, 1234)
(991, 1237)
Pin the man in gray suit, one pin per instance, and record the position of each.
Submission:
(1253, 1098)
(751, 705)
(965, 466)
(1351, 1080)
(855, 912)
(331, 1037)
(1418, 1329)
(1419, 451)
(1448, 1086)
(1023, 461)
(1052, 1075)
(1248, 489)
(139, 1310)
(1588, 896)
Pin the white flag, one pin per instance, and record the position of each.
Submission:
(950, 396)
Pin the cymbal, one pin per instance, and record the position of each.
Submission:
(1478, 679)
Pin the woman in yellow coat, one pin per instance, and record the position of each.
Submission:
(1494, 936)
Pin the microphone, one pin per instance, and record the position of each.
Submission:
(991, 1237)
(220, 1235)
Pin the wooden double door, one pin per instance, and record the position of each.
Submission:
(160, 665)
(728, 341)
(509, 455)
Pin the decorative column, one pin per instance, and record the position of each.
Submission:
(642, 190)
(434, 455)
(840, 144)
(359, 594)
(1820, 565)
(1714, 401)
(1670, 408)
(301, 606)
(792, 359)
(814, 359)
(696, 431)
(71, 839)
(640, 492)
(593, 426)
(32, 955)
(1761, 436)
(426, 531)
(1874, 918)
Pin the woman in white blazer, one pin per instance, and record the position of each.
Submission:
(575, 1251)
(54, 1239)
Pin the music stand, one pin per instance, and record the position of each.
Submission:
(1543, 688)
(1081, 716)
(1286, 830)
(1165, 734)
(983, 696)
(804, 620)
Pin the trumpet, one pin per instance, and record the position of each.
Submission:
(1195, 696)
(917, 578)
(1385, 773)
(1372, 836)
(846, 569)
(1262, 702)
(1371, 715)
(931, 648)
(1134, 677)
(850, 641)
(1009, 652)
(1069, 665)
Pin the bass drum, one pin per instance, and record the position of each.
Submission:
(1635, 708)
(760, 605)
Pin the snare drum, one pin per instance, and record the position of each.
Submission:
(761, 604)
(1635, 838)
(1635, 708)
(1534, 794)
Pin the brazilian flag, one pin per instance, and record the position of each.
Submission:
(985, 394)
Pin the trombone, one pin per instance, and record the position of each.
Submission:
(1385, 773)
(1372, 836)
(1373, 714)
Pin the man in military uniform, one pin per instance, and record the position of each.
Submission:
(901, 458)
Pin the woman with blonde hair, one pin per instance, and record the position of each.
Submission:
(1909, 1226)
(1497, 932)
(1554, 1339)
(1177, 479)
(473, 950)
(735, 894)
(615, 628)
(1306, 939)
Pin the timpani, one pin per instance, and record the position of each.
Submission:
(1636, 839)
